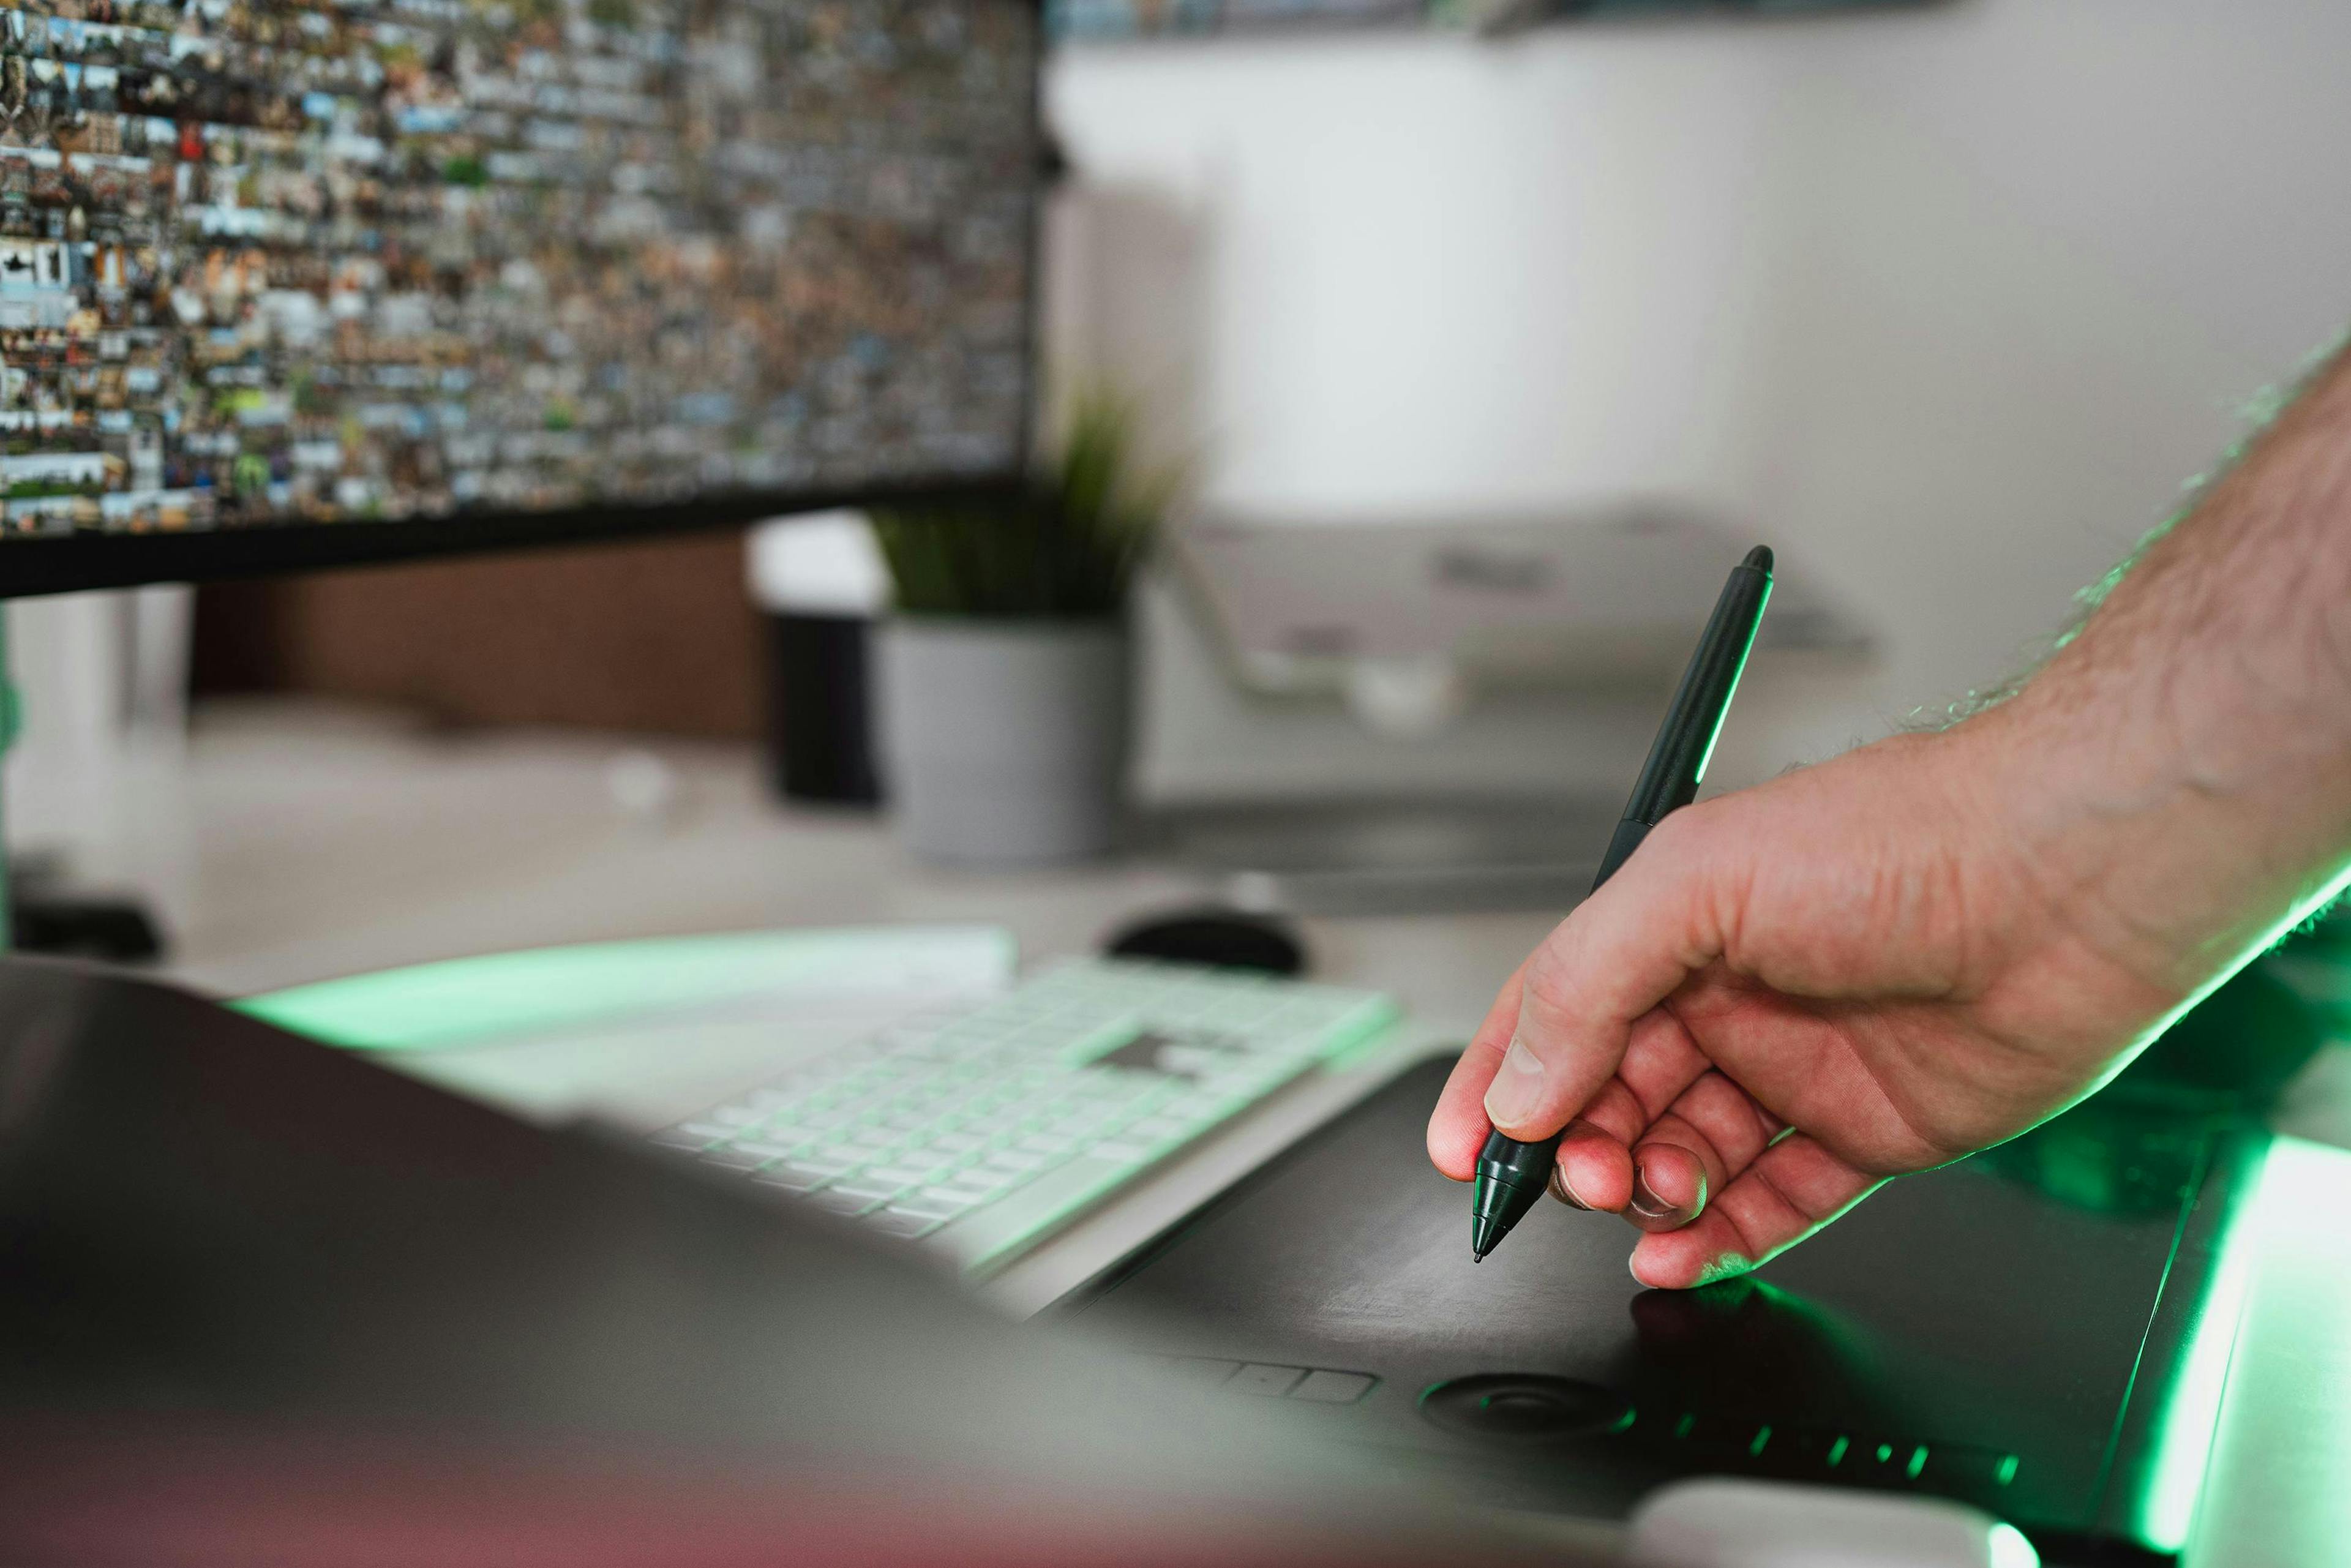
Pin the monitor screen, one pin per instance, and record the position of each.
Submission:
(289, 282)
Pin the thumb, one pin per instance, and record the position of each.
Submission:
(1623, 951)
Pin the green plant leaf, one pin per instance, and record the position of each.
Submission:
(1065, 546)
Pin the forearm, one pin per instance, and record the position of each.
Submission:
(2181, 769)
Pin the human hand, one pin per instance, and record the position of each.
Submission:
(1793, 992)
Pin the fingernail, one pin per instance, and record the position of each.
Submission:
(1646, 1201)
(1566, 1194)
(1516, 1092)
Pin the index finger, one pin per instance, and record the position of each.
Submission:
(1458, 1127)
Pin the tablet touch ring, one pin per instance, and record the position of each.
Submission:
(1525, 1406)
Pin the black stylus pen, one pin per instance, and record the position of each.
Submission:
(1511, 1175)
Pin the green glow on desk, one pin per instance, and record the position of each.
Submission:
(435, 1006)
(2292, 1189)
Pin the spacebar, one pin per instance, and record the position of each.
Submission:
(991, 1234)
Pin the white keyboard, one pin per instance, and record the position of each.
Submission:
(981, 1131)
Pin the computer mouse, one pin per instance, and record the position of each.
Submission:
(1226, 938)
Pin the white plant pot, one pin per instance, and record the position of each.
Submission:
(1003, 742)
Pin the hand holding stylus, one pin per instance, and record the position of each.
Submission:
(1786, 996)
(1877, 964)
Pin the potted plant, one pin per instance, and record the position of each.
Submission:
(1003, 667)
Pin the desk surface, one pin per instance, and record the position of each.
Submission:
(296, 844)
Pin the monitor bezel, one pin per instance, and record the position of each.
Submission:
(32, 566)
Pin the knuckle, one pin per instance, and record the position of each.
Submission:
(1550, 988)
(1679, 841)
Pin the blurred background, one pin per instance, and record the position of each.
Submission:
(1463, 337)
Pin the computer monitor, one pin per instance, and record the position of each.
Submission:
(304, 283)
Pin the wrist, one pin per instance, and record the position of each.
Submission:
(2171, 841)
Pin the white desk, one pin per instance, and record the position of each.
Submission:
(301, 844)
(295, 845)
(320, 843)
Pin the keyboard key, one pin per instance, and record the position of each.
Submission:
(789, 1178)
(834, 1201)
(898, 1222)
(998, 1122)
(995, 1231)
(962, 1198)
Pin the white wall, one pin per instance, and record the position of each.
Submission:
(1945, 304)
